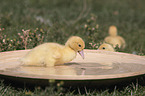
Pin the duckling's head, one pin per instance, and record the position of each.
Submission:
(77, 44)
(106, 47)
(112, 30)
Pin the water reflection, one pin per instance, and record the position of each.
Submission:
(81, 69)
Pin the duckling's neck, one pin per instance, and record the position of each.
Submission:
(68, 54)
(113, 34)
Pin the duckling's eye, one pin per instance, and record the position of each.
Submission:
(103, 48)
(79, 45)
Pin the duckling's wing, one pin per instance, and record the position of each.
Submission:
(57, 54)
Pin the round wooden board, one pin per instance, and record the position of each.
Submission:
(99, 68)
(97, 65)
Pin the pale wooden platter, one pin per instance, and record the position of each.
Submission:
(96, 65)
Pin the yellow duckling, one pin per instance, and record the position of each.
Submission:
(51, 54)
(114, 39)
(106, 47)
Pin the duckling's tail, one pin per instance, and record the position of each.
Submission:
(22, 61)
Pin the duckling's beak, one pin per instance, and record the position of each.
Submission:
(81, 53)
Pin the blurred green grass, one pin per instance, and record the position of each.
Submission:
(60, 19)
(64, 18)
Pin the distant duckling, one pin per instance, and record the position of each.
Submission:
(106, 47)
(114, 39)
(51, 54)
